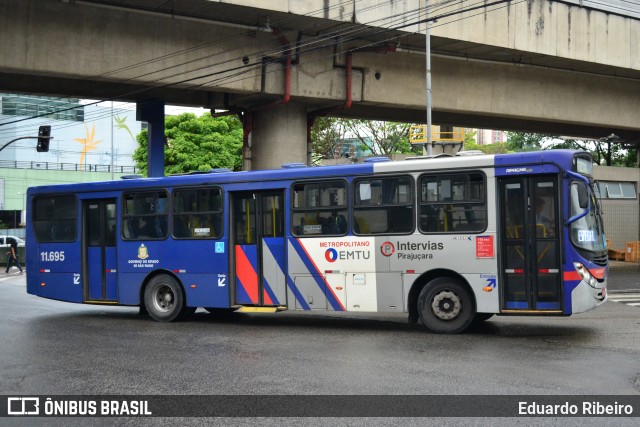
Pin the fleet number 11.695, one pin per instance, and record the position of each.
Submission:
(52, 256)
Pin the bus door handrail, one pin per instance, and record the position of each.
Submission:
(588, 208)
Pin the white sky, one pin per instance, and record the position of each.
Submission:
(169, 110)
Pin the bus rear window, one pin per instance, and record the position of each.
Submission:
(55, 218)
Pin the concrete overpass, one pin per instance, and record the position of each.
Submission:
(569, 68)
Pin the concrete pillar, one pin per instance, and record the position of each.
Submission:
(152, 112)
(279, 136)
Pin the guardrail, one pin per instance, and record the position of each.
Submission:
(14, 164)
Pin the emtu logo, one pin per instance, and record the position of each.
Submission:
(331, 255)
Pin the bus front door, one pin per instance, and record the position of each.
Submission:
(530, 259)
(258, 260)
(99, 251)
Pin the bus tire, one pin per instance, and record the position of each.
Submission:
(164, 299)
(446, 306)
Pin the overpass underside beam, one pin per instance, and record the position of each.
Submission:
(129, 55)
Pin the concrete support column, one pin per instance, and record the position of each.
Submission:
(152, 112)
(279, 136)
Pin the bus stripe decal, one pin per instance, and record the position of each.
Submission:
(273, 254)
(317, 275)
(241, 294)
(297, 293)
(277, 256)
(268, 296)
(246, 274)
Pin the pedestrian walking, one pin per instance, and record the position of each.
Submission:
(12, 255)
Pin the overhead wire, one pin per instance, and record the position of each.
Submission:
(318, 39)
(278, 52)
(324, 37)
(217, 41)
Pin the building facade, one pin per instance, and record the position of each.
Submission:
(91, 141)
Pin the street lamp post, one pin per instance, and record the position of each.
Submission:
(21, 205)
(427, 35)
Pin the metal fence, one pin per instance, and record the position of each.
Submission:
(14, 164)
(621, 223)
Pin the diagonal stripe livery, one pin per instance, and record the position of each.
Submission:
(273, 271)
(312, 268)
(247, 278)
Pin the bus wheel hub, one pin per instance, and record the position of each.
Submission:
(446, 305)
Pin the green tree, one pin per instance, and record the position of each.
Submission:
(326, 134)
(196, 144)
(526, 141)
(385, 137)
(604, 152)
(470, 144)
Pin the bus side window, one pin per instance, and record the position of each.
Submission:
(319, 208)
(145, 215)
(197, 213)
(383, 205)
(451, 203)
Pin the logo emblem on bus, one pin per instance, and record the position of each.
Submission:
(331, 255)
(387, 249)
(142, 252)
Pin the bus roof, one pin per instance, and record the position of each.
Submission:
(560, 157)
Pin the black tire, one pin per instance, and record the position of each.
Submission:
(446, 306)
(164, 298)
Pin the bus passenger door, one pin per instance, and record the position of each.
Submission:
(530, 256)
(257, 220)
(99, 251)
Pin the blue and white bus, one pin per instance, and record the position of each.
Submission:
(448, 240)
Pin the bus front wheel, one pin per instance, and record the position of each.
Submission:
(446, 306)
(164, 299)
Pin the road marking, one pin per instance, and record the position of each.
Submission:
(632, 299)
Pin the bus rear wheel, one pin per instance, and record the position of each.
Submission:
(164, 299)
(446, 306)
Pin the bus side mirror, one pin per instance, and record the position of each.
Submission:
(583, 196)
(44, 135)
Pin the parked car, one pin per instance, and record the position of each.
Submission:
(4, 241)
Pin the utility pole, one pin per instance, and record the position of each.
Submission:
(428, 65)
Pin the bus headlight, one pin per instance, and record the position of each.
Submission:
(585, 274)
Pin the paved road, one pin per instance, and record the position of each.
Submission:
(52, 347)
(629, 298)
(625, 279)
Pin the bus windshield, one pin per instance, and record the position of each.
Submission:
(587, 233)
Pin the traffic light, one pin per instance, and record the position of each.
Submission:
(44, 135)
